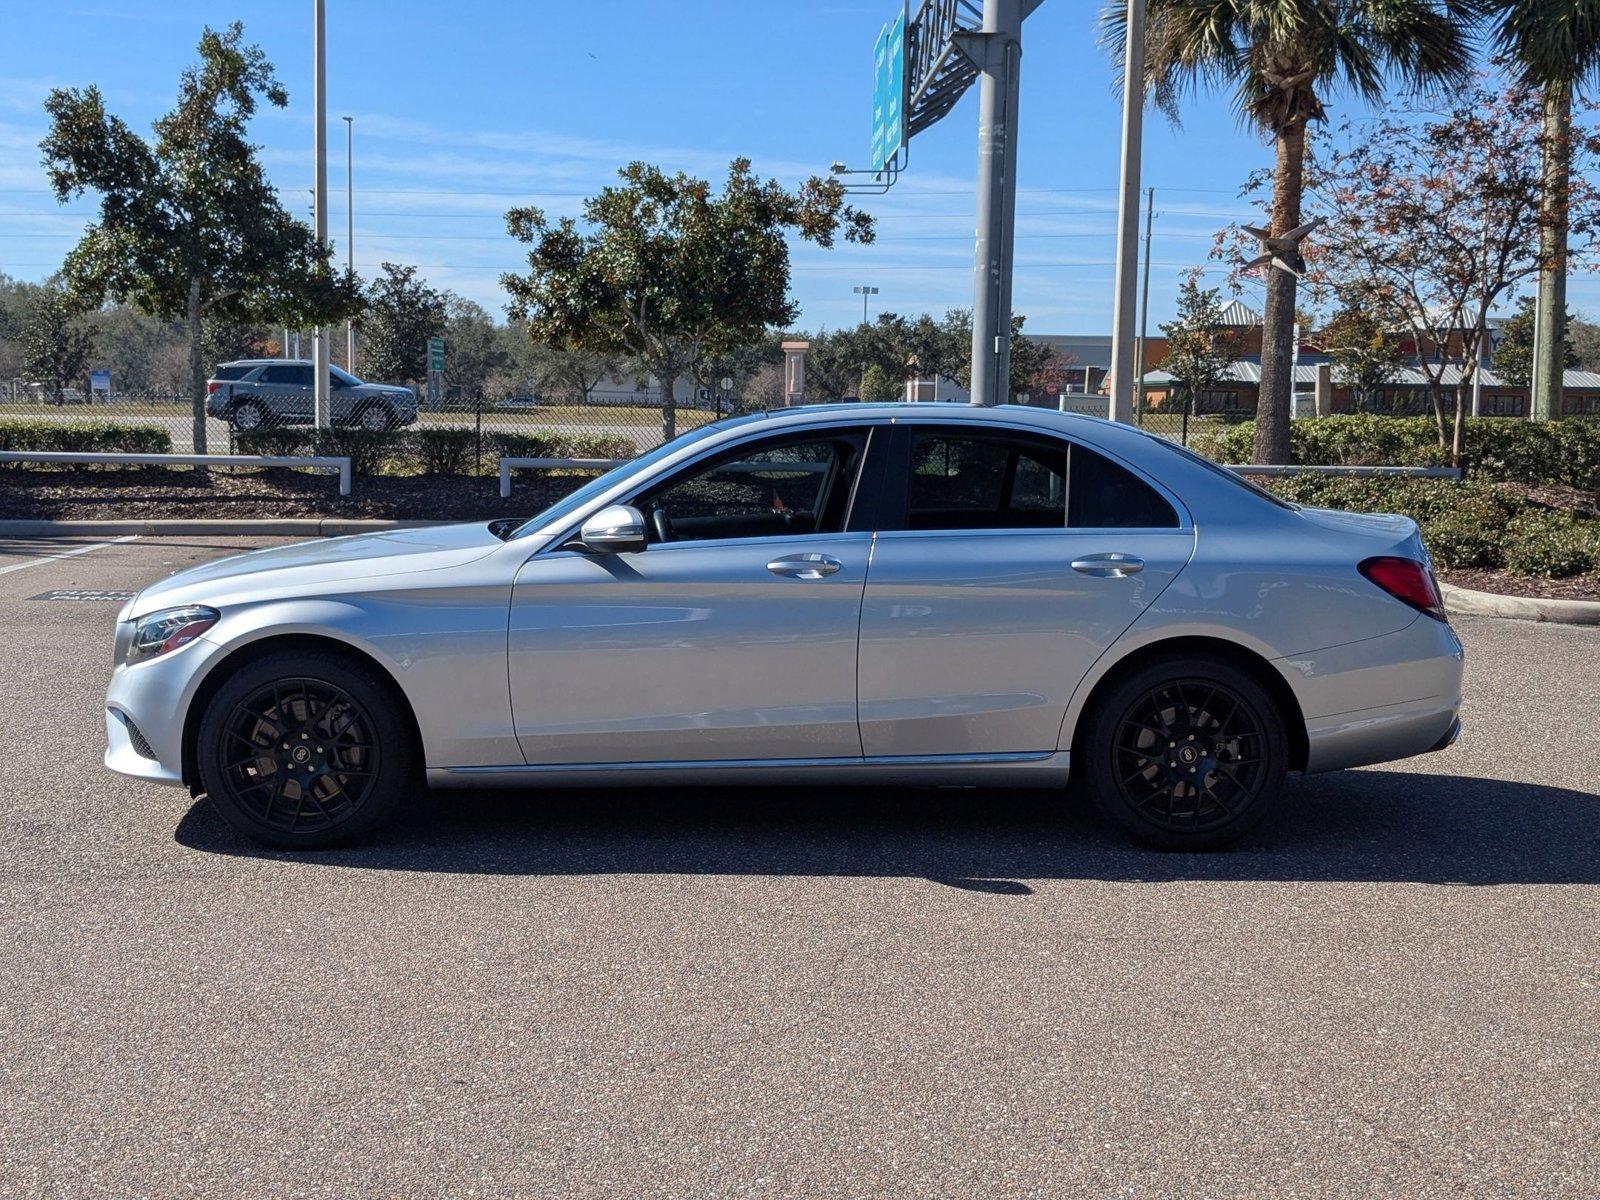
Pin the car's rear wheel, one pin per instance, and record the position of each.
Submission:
(305, 750)
(247, 415)
(1186, 754)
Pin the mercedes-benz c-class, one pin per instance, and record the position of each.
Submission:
(917, 594)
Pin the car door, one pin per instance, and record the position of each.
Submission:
(287, 390)
(731, 636)
(1012, 561)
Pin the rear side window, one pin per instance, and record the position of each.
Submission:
(965, 479)
(227, 373)
(1104, 495)
(296, 374)
(958, 481)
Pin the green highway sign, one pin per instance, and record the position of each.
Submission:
(889, 92)
(435, 354)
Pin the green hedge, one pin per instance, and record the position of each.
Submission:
(428, 451)
(1497, 448)
(446, 451)
(1471, 524)
(84, 437)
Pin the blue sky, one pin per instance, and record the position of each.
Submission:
(464, 109)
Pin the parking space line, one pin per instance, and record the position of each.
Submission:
(34, 562)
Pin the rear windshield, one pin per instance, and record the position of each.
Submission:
(1217, 469)
(231, 372)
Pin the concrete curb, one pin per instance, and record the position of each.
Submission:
(265, 527)
(1464, 602)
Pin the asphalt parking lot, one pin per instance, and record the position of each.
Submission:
(1394, 991)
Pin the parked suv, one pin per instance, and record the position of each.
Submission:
(254, 393)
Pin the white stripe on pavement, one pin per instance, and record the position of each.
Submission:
(35, 562)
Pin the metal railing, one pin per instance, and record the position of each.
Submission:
(1356, 472)
(331, 462)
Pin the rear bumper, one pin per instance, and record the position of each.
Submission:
(1377, 735)
(1380, 699)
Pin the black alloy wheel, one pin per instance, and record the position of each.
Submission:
(1187, 755)
(304, 751)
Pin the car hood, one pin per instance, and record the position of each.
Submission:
(328, 562)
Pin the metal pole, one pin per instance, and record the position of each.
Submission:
(349, 237)
(1144, 308)
(1128, 215)
(997, 201)
(319, 141)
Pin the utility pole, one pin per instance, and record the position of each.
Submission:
(864, 292)
(1144, 308)
(319, 142)
(1122, 366)
(999, 47)
(349, 237)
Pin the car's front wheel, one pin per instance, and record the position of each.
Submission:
(303, 750)
(376, 418)
(1185, 754)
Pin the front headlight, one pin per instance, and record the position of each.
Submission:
(163, 632)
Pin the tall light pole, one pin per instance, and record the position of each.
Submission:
(349, 238)
(999, 47)
(864, 292)
(319, 143)
(1122, 364)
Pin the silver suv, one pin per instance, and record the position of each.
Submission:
(261, 393)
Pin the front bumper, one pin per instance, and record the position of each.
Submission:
(145, 709)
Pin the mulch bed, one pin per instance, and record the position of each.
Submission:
(223, 494)
(1581, 587)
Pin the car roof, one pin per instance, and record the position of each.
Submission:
(267, 362)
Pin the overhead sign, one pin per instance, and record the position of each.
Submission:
(889, 92)
(435, 354)
(99, 381)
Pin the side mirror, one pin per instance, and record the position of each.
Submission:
(617, 529)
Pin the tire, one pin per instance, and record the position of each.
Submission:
(247, 416)
(292, 795)
(1154, 762)
(375, 418)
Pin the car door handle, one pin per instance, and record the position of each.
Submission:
(1108, 566)
(805, 566)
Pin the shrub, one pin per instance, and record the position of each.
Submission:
(274, 442)
(525, 445)
(367, 449)
(597, 447)
(446, 451)
(84, 437)
(1553, 544)
(1497, 448)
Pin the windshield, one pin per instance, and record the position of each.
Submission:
(570, 504)
(1218, 469)
(344, 377)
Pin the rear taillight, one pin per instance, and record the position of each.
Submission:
(212, 385)
(1408, 581)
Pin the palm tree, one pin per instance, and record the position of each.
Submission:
(1555, 46)
(1281, 58)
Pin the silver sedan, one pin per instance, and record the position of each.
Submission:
(925, 594)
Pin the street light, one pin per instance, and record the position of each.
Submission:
(864, 292)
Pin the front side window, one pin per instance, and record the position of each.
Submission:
(768, 490)
(964, 479)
